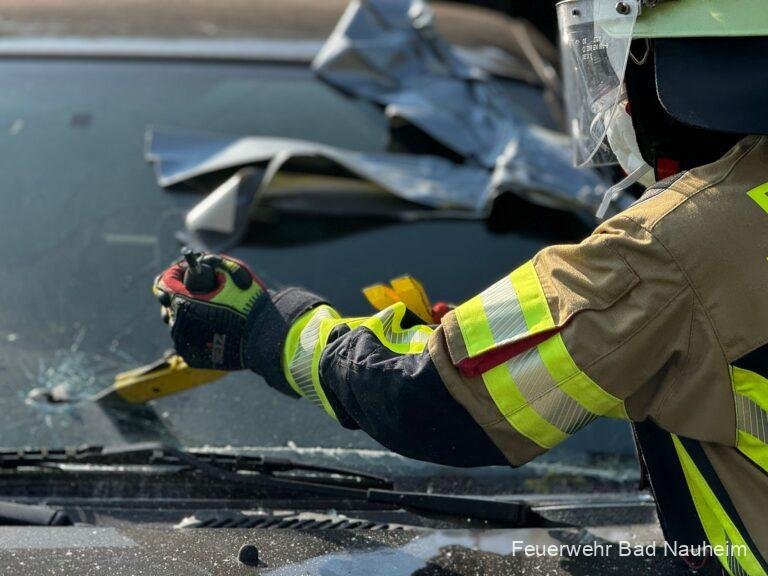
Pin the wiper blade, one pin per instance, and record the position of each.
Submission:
(321, 481)
(215, 465)
(509, 513)
(15, 514)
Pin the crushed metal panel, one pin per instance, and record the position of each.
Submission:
(538, 171)
(427, 180)
(388, 53)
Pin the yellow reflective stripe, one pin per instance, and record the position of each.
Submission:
(751, 385)
(618, 411)
(760, 195)
(719, 528)
(326, 325)
(753, 448)
(386, 325)
(751, 418)
(474, 326)
(557, 359)
(513, 308)
(502, 311)
(517, 411)
(541, 392)
(528, 394)
(533, 302)
(291, 346)
(751, 403)
(305, 343)
(576, 383)
(554, 354)
(532, 402)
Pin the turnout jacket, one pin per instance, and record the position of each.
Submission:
(659, 317)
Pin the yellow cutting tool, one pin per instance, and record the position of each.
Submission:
(166, 376)
(169, 375)
(405, 289)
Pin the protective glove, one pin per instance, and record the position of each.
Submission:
(210, 330)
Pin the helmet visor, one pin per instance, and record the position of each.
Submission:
(595, 36)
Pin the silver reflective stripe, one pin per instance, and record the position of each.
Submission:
(751, 418)
(733, 563)
(402, 337)
(301, 363)
(735, 567)
(542, 393)
(503, 312)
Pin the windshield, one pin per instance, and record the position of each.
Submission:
(86, 228)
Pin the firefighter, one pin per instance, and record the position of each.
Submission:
(659, 317)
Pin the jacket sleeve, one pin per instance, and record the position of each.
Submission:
(608, 327)
(373, 373)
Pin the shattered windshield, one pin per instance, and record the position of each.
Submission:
(86, 228)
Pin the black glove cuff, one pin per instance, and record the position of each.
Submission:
(267, 329)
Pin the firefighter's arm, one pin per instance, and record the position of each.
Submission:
(373, 373)
(608, 327)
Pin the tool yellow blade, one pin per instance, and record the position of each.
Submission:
(405, 289)
(169, 375)
(412, 294)
(380, 296)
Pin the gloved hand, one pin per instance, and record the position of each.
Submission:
(209, 330)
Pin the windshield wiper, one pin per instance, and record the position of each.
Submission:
(322, 481)
(223, 466)
(509, 513)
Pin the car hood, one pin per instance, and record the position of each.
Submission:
(123, 551)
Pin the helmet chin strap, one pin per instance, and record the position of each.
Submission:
(623, 143)
(615, 191)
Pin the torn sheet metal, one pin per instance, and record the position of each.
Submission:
(327, 180)
(539, 171)
(426, 180)
(537, 166)
(539, 160)
(387, 52)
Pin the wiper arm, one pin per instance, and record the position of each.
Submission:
(324, 480)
